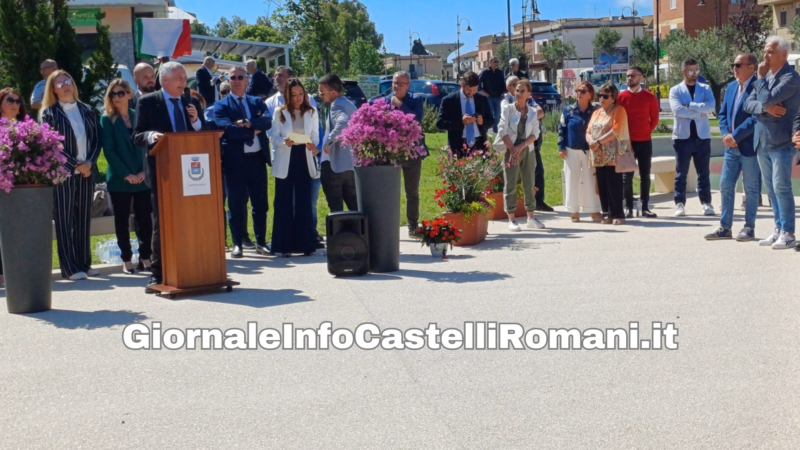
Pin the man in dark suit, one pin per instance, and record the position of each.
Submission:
(145, 78)
(737, 127)
(206, 83)
(259, 84)
(165, 111)
(466, 117)
(244, 121)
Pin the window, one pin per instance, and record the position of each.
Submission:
(673, 4)
(782, 20)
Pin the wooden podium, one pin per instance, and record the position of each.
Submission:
(191, 213)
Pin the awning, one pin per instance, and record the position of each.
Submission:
(238, 47)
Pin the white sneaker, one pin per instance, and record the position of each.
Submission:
(770, 239)
(78, 276)
(534, 224)
(512, 226)
(92, 272)
(680, 210)
(784, 242)
(708, 210)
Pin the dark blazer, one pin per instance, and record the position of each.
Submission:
(123, 157)
(226, 113)
(450, 119)
(204, 86)
(259, 84)
(743, 125)
(152, 115)
(58, 121)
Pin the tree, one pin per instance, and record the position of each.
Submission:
(257, 33)
(101, 66)
(712, 51)
(556, 52)
(201, 29)
(747, 30)
(68, 52)
(643, 54)
(226, 28)
(517, 51)
(364, 59)
(606, 40)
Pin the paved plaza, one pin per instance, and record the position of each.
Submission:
(68, 381)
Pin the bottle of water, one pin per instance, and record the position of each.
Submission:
(135, 249)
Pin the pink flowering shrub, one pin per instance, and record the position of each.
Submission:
(381, 135)
(30, 153)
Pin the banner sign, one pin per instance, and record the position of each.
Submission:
(370, 84)
(83, 17)
(617, 62)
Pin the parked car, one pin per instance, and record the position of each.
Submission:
(546, 95)
(124, 73)
(353, 92)
(433, 90)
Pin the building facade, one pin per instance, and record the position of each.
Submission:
(695, 15)
(783, 14)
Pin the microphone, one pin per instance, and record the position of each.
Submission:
(187, 96)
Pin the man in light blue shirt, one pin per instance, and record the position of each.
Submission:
(47, 67)
(692, 102)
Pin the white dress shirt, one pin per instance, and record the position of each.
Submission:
(196, 125)
(742, 88)
(464, 101)
(256, 147)
(639, 88)
(78, 128)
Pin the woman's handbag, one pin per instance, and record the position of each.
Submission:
(625, 162)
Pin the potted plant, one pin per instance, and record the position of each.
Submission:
(438, 234)
(466, 181)
(31, 162)
(382, 137)
(495, 194)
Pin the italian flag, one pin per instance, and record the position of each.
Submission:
(156, 38)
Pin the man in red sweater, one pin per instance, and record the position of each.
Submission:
(642, 108)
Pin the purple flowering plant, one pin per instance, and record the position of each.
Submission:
(30, 153)
(381, 135)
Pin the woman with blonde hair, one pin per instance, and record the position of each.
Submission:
(78, 123)
(607, 136)
(126, 175)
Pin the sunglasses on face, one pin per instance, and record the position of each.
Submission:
(118, 94)
(604, 96)
(693, 72)
(13, 101)
(581, 91)
(66, 82)
(238, 77)
(738, 65)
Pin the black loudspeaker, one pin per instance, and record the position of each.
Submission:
(348, 244)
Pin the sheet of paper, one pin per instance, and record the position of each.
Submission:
(299, 138)
(196, 176)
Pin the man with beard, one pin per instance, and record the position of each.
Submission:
(145, 78)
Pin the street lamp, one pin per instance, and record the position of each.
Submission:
(634, 13)
(658, 54)
(384, 60)
(703, 3)
(458, 43)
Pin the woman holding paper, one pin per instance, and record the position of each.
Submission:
(295, 129)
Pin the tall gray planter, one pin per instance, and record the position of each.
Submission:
(26, 241)
(378, 189)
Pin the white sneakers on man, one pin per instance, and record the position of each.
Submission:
(771, 239)
(680, 210)
(708, 210)
(78, 276)
(784, 241)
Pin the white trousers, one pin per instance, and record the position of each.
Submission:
(580, 183)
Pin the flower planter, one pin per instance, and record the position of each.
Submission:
(472, 232)
(378, 189)
(520, 211)
(26, 239)
(438, 250)
(499, 211)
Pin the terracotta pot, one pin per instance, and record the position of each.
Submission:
(472, 232)
(520, 211)
(498, 212)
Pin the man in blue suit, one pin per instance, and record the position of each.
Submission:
(244, 121)
(737, 127)
(692, 102)
(259, 85)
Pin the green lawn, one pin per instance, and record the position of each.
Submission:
(428, 184)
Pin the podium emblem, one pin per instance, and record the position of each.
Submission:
(196, 171)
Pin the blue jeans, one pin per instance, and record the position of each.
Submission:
(776, 166)
(685, 151)
(733, 164)
(316, 185)
(494, 106)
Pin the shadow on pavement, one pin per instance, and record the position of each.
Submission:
(88, 320)
(102, 283)
(427, 259)
(437, 277)
(253, 298)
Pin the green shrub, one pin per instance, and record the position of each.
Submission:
(550, 121)
(662, 128)
(429, 116)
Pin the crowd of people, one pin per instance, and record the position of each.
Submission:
(601, 143)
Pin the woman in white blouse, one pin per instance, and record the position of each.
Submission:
(294, 165)
(78, 124)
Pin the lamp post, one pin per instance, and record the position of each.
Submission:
(384, 60)
(634, 13)
(716, 16)
(458, 43)
(534, 16)
(658, 54)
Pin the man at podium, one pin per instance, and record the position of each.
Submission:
(170, 109)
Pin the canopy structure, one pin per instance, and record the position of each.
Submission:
(251, 49)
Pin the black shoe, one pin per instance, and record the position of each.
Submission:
(797, 246)
(141, 268)
(649, 214)
(628, 213)
(237, 252)
(263, 250)
(149, 289)
(718, 235)
(308, 253)
(247, 243)
(544, 207)
(320, 245)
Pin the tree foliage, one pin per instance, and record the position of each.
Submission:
(226, 28)
(517, 51)
(556, 52)
(258, 33)
(101, 66)
(364, 59)
(201, 29)
(643, 54)
(606, 40)
(748, 30)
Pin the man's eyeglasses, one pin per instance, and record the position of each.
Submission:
(66, 82)
(693, 72)
(118, 94)
(238, 77)
(401, 83)
(13, 101)
(604, 96)
(738, 65)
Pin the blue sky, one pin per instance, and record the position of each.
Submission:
(434, 20)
